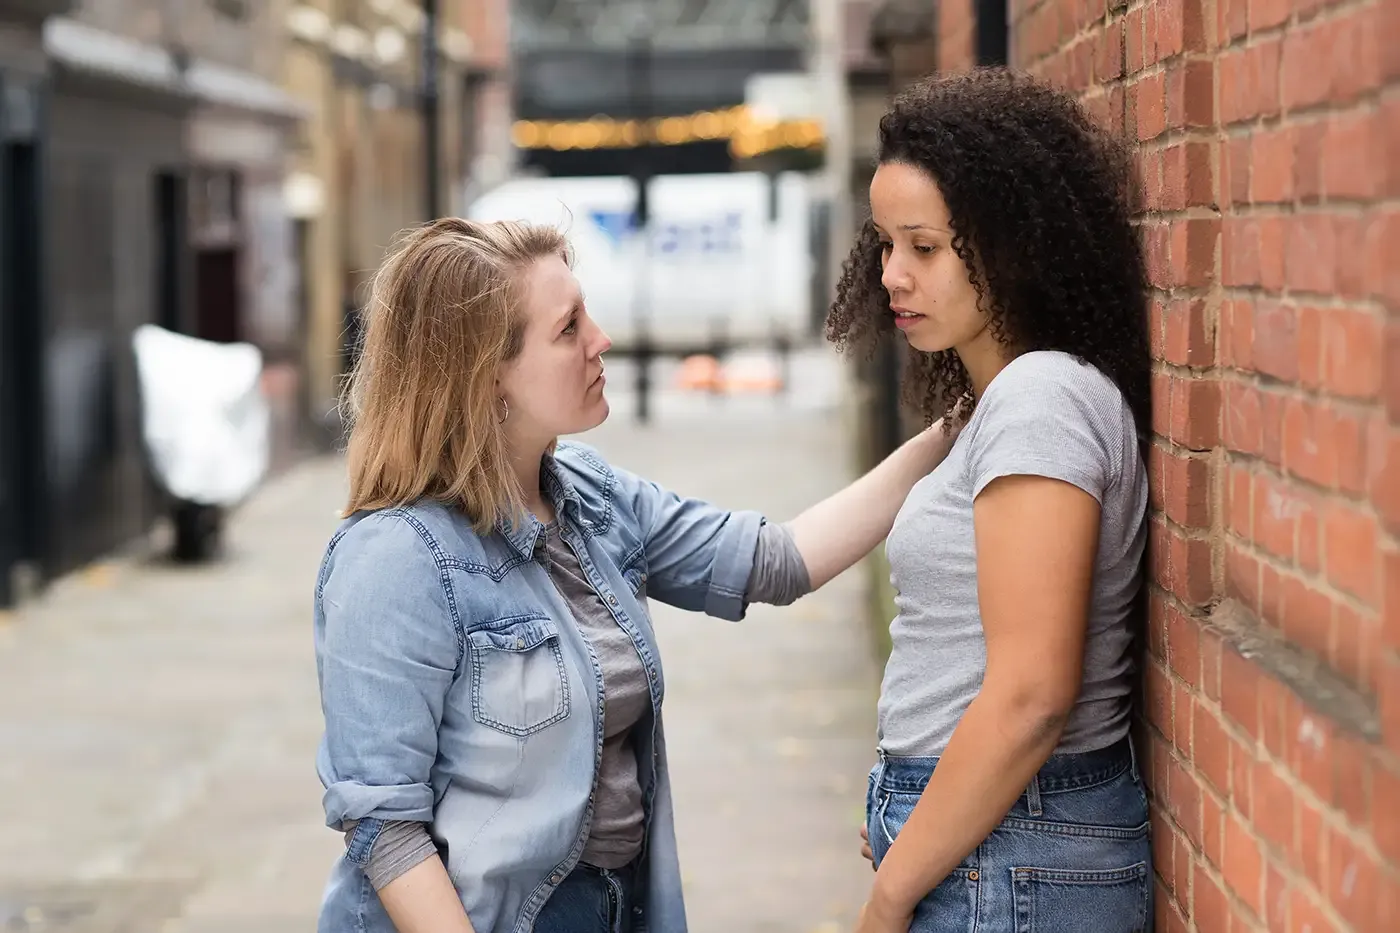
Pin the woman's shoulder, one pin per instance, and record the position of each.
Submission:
(424, 530)
(1050, 384)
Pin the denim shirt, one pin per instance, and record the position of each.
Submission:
(458, 692)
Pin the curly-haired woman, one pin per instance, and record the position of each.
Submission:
(1007, 796)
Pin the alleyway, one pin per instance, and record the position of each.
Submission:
(158, 725)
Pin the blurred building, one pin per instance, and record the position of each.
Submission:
(360, 167)
(1264, 138)
(144, 144)
(611, 87)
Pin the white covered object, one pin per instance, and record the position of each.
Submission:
(205, 419)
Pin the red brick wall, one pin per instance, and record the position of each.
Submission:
(1267, 133)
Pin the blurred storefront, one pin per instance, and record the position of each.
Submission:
(359, 172)
(143, 164)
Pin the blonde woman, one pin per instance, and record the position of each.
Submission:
(489, 674)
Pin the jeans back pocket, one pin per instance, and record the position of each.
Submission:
(1051, 900)
(519, 682)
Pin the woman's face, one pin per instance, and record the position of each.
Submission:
(555, 385)
(931, 294)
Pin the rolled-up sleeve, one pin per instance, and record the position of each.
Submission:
(698, 556)
(388, 645)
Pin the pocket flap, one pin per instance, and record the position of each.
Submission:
(519, 633)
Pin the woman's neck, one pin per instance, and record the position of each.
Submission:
(527, 464)
(984, 357)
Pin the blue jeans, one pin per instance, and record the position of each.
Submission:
(593, 900)
(1072, 854)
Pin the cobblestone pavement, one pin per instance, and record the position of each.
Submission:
(158, 724)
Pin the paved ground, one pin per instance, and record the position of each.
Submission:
(158, 724)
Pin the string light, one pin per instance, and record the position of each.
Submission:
(748, 135)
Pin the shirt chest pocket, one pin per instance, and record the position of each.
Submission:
(519, 682)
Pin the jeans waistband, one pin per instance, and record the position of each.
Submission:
(1059, 773)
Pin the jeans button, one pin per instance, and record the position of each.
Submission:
(972, 876)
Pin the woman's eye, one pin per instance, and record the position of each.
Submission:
(926, 250)
(886, 246)
(571, 327)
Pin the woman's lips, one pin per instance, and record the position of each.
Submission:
(904, 318)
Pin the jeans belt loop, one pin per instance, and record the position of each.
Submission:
(1132, 759)
(1033, 795)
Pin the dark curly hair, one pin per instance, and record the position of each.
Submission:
(1041, 203)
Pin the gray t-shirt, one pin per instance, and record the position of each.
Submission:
(1045, 414)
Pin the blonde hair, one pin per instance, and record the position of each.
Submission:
(443, 315)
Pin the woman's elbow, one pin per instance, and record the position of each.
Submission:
(1035, 712)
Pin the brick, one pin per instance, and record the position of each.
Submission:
(1309, 441)
(1277, 891)
(1164, 845)
(1136, 48)
(1210, 748)
(1210, 647)
(1351, 780)
(1304, 914)
(1183, 734)
(1242, 765)
(1194, 244)
(1355, 54)
(1350, 435)
(1240, 253)
(1209, 908)
(1186, 338)
(1356, 642)
(1265, 14)
(1239, 691)
(1274, 700)
(1235, 166)
(1185, 488)
(1351, 160)
(1166, 917)
(1386, 790)
(1271, 421)
(1184, 801)
(1184, 653)
(1277, 806)
(1278, 507)
(1242, 578)
(1309, 737)
(1351, 549)
(1274, 237)
(1312, 253)
(1308, 550)
(1276, 340)
(1239, 514)
(1309, 850)
(1353, 883)
(1349, 233)
(1240, 333)
(1383, 258)
(1310, 346)
(1390, 601)
(1194, 412)
(1307, 617)
(1272, 169)
(1305, 75)
(1233, 18)
(1212, 827)
(1187, 570)
(1353, 344)
(1309, 139)
(1157, 691)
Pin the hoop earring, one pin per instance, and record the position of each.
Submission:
(505, 412)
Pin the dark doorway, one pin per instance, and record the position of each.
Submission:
(171, 209)
(21, 354)
(216, 294)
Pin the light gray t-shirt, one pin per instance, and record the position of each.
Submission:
(1045, 414)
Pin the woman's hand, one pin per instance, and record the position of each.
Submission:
(865, 846)
(877, 918)
(841, 529)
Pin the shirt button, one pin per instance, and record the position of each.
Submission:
(612, 600)
(520, 643)
(555, 878)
